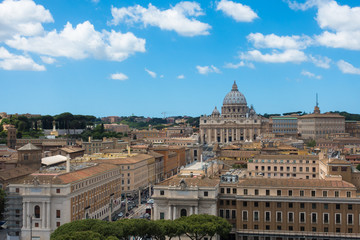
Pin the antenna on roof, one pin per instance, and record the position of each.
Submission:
(317, 102)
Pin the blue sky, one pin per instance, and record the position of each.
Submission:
(180, 57)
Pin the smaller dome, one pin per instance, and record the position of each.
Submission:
(215, 112)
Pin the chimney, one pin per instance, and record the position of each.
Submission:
(67, 163)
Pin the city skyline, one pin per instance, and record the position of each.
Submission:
(106, 58)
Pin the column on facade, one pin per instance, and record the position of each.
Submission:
(48, 210)
(251, 133)
(209, 135)
(24, 212)
(227, 135)
(221, 135)
(43, 209)
(154, 215)
(174, 212)
(201, 135)
(170, 212)
(28, 215)
(233, 134)
(238, 134)
(191, 210)
(196, 209)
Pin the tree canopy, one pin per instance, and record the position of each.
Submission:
(195, 226)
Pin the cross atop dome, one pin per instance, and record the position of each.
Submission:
(234, 87)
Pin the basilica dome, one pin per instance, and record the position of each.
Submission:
(234, 97)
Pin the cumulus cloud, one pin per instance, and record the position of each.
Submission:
(23, 18)
(346, 67)
(9, 61)
(310, 75)
(179, 18)
(151, 73)
(290, 55)
(323, 62)
(48, 60)
(207, 69)
(238, 11)
(118, 76)
(341, 23)
(280, 42)
(181, 76)
(240, 64)
(81, 42)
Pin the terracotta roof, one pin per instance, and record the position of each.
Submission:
(29, 147)
(7, 175)
(286, 157)
(194, 181)
(237, 153)
(155, 154)
(71, 149)
(339, 161)
(289, 183)
(86, 173)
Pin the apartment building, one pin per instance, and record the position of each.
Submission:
(42, 201)
(284, 166)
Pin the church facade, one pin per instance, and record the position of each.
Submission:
(236, 123)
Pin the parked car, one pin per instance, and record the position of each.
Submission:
(121, 214)
(150, 201)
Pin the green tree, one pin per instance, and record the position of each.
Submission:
(85, 235)
(198, 226)
(311, 143)
(358, 167)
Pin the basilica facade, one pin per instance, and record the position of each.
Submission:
(236, 123)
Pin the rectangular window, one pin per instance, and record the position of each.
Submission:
(301, 193)
(325, 193)
(337, 206)
(336, 193)
(228, 190)
(58, 214)
(58, 190)
(291, 205)
(338, 218)
(256, 216)
(256, 204)
(233, 202)
(162, 192)
(245, 192)
(278, 192)
(326, 206)
(290, 217)
(350, 219)
(267, 216)
(348, 194)
(278, 216)
(206, 194)
(234, 191)
(290, 193)
(313, 205)
(244, 204)
(244, 215)
(267, 192)
(162, 215)
(313, 193)
(313, 217)
(326, 218)
(256, 191)
(223, 191)
(350, 206)
(267, 204)
(302, 218)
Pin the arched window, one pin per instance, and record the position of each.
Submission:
(183, 213)
(37, 211)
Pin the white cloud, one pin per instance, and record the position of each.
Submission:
(290, 55)
(240, 64)
(180, 18)
(207, 69)
(9, 61)
(323, 62)
(340, 22)
(303, 6)
(22, 17)
(181, 76)
(238, 11)
(346, 67)
(81, 42)
(119, 76)
(310, 75)
(151, 73)
(48, 60)
(280, 42)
